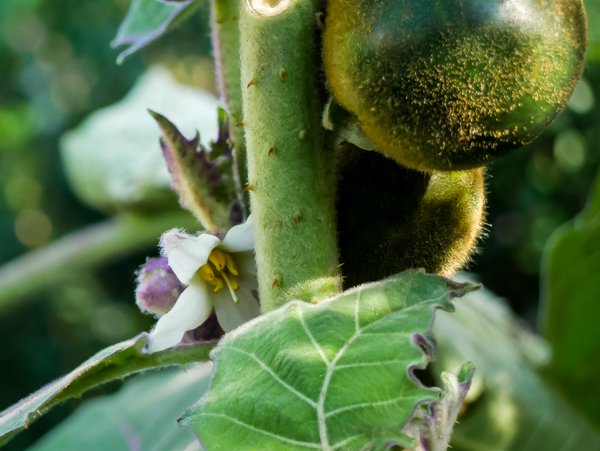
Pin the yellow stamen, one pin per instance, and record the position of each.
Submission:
(220, 271)
(218, 285)
(231, 265)
(218, 258)
(207, 273)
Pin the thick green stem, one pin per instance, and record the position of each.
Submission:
(226, 45)
(292, 182)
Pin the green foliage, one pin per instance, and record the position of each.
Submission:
(60, 77)
(571, 307)
(593, 12)
(147, 20)
(510, 407)
(112, 159)
(114, 362)
(340, 371)
(57, 67)
(142, 415)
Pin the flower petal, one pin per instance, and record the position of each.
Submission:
(231, 315)
(191, 310)
(239, 238)
(246, 264)
(186, 253)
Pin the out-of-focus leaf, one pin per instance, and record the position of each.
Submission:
(336, 375)
(593, 14)
(114, 362)
(510, 407)
(113, 159)
(571, 307)
(147, 20)
(141, 416)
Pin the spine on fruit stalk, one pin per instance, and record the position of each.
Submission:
(391, 218)
(453, 84)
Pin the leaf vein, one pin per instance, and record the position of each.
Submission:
(276, 377)
(262, 431)
(312, 338)
(321, 416)
(344, 442)
(366, 404)
(366, 364)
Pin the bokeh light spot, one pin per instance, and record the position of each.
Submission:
(22, 192)
(33, 228)
(570, 151)
(25, 34)
(582, 99)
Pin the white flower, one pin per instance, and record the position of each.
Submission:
(219, 274)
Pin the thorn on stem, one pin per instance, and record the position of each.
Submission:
(297, 218)
(251, 83)
(272, 149)
(282, 73)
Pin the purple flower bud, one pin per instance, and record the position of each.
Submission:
(157, 287)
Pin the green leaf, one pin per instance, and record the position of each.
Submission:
(113, 159)
(571, 307)
(335, 375)
(147, 20)
(593, 13)
(510, 407)
(142, 415)
(114, 362)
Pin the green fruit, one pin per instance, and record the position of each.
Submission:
(391, 218)
(452, 84)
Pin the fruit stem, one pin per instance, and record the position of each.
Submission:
(291, 169)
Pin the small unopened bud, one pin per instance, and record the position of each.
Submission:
(157, 287)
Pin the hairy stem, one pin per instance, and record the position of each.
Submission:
(226, 47)
(292, 183)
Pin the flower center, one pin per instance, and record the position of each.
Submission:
(220, 271)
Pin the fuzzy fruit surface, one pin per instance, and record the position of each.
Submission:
(391, 218)
(451, 84)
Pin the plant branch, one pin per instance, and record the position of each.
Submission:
(83, 249)
(292, 182)
(115, 362)
(226, 47)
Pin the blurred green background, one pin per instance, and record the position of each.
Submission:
(57, 67)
